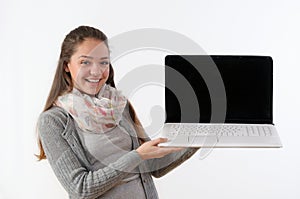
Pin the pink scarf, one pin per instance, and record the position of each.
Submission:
(94, 114)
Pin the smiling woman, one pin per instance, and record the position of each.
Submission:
(89, 131)
(89, 66)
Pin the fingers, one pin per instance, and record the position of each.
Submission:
(150, 150)
(162, 140)
(157, 141)
(170, 149)
(161, 152)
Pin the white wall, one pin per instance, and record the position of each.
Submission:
(30, 38)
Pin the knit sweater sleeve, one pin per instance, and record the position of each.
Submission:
(162, 166)
(77, 180)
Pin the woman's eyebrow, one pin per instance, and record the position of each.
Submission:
(89, 57)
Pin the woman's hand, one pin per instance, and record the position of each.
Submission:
(149, 150)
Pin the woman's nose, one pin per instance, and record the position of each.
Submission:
(96, 70)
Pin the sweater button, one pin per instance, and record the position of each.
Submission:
(144, 180)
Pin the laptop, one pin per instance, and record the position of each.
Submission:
(220, 101)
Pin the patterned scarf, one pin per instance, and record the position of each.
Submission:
(94, 114)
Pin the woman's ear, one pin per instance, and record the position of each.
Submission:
(67, 68)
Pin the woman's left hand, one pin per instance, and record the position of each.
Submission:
(150, 150)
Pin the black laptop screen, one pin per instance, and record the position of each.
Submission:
(248, 82)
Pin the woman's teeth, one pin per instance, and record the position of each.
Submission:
(92, 80)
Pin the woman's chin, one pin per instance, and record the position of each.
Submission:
(90, 91)
(93, 93)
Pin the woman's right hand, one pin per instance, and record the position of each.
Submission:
(149, 150)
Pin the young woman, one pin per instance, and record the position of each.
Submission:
(89, 131)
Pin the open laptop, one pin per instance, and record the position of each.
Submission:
(219, 101)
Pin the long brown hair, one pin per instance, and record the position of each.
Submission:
(62, 82)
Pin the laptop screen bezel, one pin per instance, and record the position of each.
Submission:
(170, 59)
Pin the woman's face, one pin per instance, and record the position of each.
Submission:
(89, 66)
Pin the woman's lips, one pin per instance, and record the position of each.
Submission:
(93, 80)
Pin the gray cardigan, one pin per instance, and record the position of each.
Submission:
(73, 166)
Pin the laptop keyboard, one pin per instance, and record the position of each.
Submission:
(219, 130)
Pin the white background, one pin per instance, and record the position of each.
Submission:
(31, 33)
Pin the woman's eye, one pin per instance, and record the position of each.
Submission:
(85, 62)
(104, 63)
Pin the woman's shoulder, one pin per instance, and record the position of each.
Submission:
(54, 111)
(54, 115)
